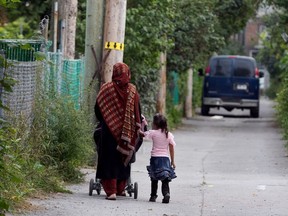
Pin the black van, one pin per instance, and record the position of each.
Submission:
(231, 82)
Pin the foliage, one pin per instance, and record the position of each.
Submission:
(148, 29)
(16, 29)
(32, 10)
(275, 56)
(60, 134)
(273, 51)
(197, 88)
(9, 167)
(232, 48)
(196, 37)
(282, 99)
(195, 34)
(8, 3)
(41, 156)
(234, 14)
(65, 136)
(80, 28)
(22, 23)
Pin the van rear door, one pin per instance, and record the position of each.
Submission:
(219, 80)
(245, 84)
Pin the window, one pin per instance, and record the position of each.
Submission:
(221, 67)
(243, 68)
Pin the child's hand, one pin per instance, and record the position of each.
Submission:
(173, 165)
(141, 133)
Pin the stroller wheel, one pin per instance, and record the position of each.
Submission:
(98, 186)
(135, 190)
(129, 189)
(91, 187)
(98, 191)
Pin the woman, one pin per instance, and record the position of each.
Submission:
(118, 110)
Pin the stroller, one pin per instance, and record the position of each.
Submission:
(130, 187)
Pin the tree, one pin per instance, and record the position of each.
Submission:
(196, 37)
(149, 27)
(234, 14)
(32, 10)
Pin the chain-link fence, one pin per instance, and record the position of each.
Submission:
(21, 65)
(60, 75)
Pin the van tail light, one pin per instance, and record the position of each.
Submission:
(207, 71)
(256, 73)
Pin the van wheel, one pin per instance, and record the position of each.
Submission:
(204, 110)
(254, 112)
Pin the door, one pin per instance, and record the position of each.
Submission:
(245, 84)
(219, 82)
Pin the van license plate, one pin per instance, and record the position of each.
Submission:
(241, 87)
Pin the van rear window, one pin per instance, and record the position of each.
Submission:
(221, 67)
(243, 68)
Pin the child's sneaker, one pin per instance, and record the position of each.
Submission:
(166, 198)
(153, 198)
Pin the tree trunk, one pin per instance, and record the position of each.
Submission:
(188, 100)
(67, 18)
(114, 31)
(161, 100)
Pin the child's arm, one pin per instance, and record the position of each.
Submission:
(171, 150)
(141, 133)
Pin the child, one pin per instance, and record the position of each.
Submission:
(160, 167)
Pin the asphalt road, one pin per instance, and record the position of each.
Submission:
(228, 164)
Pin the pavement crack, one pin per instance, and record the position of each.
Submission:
(203, 184)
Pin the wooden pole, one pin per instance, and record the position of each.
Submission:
(67, 17)
(94, 37)
(93, 46)
(114, 31)
(55, 22)
(188, 100)
(161, 100)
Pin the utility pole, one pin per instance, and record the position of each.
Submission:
(93, 48)
(114, 34)
(55, 26)
(161, 100)
(188, 100)
(68, 16)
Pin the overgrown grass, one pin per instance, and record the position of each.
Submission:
(65, 135)
(45, 153)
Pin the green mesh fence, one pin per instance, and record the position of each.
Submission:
(174, 88)
(20, 50)
(72, 79)
(65, 77)
(52, 80)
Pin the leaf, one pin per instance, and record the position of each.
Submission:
(40, 56)
(3, 206)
